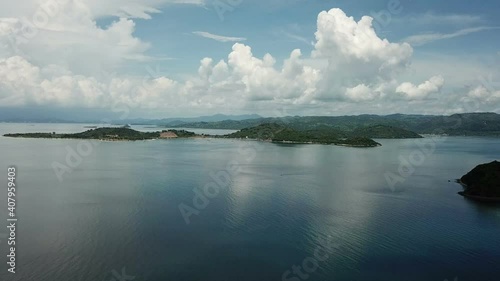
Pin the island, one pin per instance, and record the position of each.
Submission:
(112, 134)
(482, 183)
(280, 133)
(272, 132)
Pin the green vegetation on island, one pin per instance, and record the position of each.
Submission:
(183, 133)
(109, 134)
(483, 182)
(265, 132)
(384, 132)
(280, 133)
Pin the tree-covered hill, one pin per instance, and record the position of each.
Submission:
(483, 181)
(99, 133)
(261, 132)
(281, 133)
(470, 124)
(384, 132)
(106, 134)
(467, 124)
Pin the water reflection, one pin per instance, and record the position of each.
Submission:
(119, 208)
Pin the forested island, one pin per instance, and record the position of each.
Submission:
(282, 134)
(111, 134)
(265, 132)
(482, 183)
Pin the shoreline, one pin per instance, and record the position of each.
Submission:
(480, 198)
(477, 198)
(195, 137)
(295, 142)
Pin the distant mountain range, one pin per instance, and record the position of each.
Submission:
(27, 116)
(467, 124)
(181, 121)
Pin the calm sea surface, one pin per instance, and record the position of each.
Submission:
(114, 214)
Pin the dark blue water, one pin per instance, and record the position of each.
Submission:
(319, 212)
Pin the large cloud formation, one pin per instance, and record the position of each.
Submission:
(46, 65)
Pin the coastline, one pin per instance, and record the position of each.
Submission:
(480, 198)
(197, 137)
(295, 142)
(485, 199)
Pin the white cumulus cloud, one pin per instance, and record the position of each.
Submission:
(412, 91)
(64, 64)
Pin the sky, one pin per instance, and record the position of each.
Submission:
(184, 58)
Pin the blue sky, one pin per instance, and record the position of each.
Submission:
(271, 27)
(423, 56)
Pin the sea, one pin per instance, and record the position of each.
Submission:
(235, 210)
